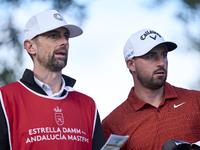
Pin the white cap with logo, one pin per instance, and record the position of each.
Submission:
(143, 41)
(47, 21)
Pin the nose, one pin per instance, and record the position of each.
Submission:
(162, 61)
(64, 41)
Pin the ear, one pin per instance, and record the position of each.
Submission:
(130, 63)
(30, 47)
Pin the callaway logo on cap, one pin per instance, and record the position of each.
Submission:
(143, 41)
(47, 21)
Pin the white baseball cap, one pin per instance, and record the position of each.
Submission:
(143, 41)
(47, 21)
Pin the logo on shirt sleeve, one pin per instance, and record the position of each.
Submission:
(59, 118)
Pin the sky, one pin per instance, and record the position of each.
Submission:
(96, 57)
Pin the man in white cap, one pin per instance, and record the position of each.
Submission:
(154, 111)
(42, 111)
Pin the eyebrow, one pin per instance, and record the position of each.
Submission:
(149, 53)
(55, 31)
(152, 52)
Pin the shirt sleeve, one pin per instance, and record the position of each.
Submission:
(98, 137)
(4, 142)
(106, 129)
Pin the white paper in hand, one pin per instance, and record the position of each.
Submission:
(114, 142)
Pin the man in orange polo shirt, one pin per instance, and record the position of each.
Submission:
(154, 111)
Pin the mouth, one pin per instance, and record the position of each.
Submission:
(160, 72)
(61, 53)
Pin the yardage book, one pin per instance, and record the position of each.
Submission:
(114, 142)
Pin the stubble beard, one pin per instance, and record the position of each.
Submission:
(53, 64)
(151, 82)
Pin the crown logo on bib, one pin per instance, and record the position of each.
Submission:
(57, 109)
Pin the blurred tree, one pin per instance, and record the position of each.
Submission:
(188, 13)
(11, 49)
(190, 16)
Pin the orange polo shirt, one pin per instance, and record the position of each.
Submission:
(176, 118)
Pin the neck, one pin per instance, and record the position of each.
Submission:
(52, 79)
(153, 97)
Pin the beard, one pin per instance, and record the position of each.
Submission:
(52, 63)
(152, 82)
